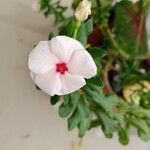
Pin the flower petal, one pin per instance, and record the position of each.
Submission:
(71, 83)
(41, 59)
(49, 82)
(82, 63)
(63, 47)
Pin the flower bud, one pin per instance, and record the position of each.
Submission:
(83, 10)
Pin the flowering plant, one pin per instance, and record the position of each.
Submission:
(98, 66)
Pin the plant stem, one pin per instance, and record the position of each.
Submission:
(76, 29)
(115, 44)
(105, 75)
(139, 33)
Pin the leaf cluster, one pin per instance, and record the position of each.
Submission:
(90, 108)
(48, 7)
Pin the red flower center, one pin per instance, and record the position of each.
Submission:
(61, 68)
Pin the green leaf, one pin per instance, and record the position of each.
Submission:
(144, 132)
(83, 109)
(125, 29)
(119, 117)
(123, 136)
(132, 77)
(70, 104)
(95, 123)
(97, 52)
(108, 125)
(65, 110)
(134, 110)
(74, 120)
(144, 136)
(89, 27)
(54, 99)
(145, 101)
(107, 103)
(95, 83)
(48, 7)
(148, 122)
(85, 29)
(75, 98)
(66, 99)
(68, 28)
(140, 124)
(82, 36)
(85, 117)
(84, 126)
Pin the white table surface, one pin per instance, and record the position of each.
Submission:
(27, 121)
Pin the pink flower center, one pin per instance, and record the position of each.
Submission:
(61, 68)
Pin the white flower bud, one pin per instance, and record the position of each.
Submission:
(83, 10)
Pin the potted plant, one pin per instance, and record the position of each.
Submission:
(117, 98)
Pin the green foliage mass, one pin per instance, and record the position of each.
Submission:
(49, 7)
(90, 107)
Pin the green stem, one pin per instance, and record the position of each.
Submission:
(76, 29)
(115, 44)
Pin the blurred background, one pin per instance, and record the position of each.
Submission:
(27, 121)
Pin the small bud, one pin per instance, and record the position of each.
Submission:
(83, 10)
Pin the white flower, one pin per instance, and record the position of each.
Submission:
(83, 10)
(59, 66)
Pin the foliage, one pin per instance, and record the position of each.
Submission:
(90, 108)
(126, 31)
(123, 45)
(48, 7)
